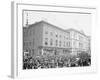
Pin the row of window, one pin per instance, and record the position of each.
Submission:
(57, 43)
(79, 37)
(56, 35)
(28, 43)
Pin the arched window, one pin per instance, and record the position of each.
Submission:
(46, 41)
(51, 42)
(60, 43)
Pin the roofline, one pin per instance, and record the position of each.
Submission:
(67, 30)
(48, 24)
(56, 27)
(71, 29)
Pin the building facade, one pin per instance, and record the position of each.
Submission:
(45, 39)
(79, 41)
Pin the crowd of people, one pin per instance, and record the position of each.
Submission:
(30, 62)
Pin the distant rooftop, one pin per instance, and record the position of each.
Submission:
(81, 32)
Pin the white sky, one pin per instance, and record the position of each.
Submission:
(62, 20)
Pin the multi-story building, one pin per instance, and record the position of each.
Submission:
(43, 38)
(79, 41)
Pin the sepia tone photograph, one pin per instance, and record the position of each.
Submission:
(56, 39)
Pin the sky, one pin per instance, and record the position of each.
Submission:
(81, 22)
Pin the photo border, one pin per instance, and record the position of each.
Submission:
(15, 62)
